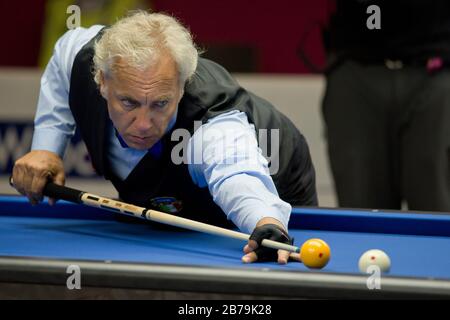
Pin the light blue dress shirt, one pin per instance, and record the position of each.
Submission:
(232, 165)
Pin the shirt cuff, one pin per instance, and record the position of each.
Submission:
(246, 200)
(50, 140)
(251, 220)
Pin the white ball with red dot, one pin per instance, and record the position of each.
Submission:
(374, 257)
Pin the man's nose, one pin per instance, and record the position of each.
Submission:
(143, 120)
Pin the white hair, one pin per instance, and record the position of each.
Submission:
(140, 39)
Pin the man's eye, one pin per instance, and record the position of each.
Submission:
(161, 104)
(128, 104)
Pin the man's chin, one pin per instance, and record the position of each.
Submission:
(139, 146)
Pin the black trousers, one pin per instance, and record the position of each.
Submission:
(388, 134)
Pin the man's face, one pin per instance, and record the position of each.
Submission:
(142, 103)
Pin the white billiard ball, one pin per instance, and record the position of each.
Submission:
(374, 257)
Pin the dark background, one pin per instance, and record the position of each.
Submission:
(263, 36)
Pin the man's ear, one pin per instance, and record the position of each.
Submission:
(102, 85)
(181, 93)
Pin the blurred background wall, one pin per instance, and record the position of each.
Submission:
(274, 48)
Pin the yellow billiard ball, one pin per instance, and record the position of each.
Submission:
(315, 253)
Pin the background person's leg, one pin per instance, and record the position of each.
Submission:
(426, 145)
(356, 110)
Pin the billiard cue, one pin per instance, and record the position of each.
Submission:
(53, 190)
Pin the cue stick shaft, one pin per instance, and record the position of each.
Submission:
(169, 219)
(53, 190)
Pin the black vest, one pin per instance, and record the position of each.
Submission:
(211, 91)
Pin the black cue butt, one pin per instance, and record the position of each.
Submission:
(56, 191)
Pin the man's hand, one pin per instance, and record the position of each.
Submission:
(33, 170)
(268, 228)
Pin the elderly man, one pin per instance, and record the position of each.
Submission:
(129, 88)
